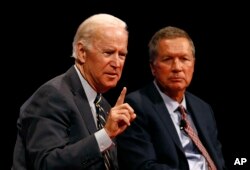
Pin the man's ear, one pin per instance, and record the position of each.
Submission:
(81, 53)
(152, 68)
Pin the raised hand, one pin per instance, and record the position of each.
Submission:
(120, 116)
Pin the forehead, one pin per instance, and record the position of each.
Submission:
(111, 33)
(174, 44)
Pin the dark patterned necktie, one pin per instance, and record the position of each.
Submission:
(194, 137)
(101, 120)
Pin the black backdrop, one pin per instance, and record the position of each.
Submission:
(37, 42)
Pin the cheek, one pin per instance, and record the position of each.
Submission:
(120, 65)
(161, 74)
(163, 71)
(100, 64)
(189, 75)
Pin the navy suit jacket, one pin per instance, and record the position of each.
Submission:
(151, 142)
(56, 129)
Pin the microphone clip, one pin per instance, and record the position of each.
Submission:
(183, 124)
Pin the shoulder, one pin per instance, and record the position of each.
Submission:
(190, 96)
(196, 102)
(55, 89)
(144, 91)
(145, 95)
(60, 83)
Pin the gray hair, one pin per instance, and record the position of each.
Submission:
(88, 27)
(168, 32)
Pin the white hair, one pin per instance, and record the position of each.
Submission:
(88, 27)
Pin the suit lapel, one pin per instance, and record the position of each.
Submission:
(200, 120)
(81, 99)
(84, 108)
(162, 112)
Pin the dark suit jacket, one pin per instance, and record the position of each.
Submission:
(151, 142)
(56, 129)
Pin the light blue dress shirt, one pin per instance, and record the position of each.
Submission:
(196, 160)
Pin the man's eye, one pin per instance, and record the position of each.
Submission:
(108, 53)
(122, 55)
(167, 59)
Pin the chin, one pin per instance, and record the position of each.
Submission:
(177, 88)
(110, 85)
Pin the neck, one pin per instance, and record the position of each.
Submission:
(176, 96)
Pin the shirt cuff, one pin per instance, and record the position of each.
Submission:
(103, 140)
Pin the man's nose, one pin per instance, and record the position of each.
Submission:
(116, 61)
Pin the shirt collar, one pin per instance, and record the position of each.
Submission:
(171, 104)
(89, 91)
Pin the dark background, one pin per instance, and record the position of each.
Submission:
(37, 44)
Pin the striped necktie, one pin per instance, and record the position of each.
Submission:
(194, 137)
(101, 120)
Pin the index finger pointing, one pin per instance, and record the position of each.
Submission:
(121, 98)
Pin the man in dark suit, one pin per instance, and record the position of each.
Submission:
(159, 139)
(57, 127)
